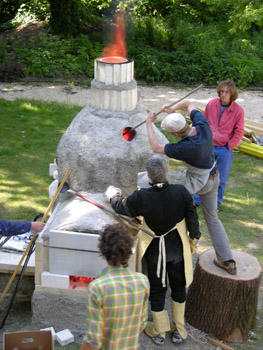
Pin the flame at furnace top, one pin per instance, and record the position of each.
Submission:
(116, 51)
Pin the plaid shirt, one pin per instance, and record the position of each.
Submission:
(117, 309)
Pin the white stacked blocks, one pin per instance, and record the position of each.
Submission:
(113, 86)
(63, 337)
(66, 254)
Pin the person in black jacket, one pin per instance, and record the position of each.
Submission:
(164, 207)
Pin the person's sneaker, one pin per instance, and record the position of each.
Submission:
(158, 340)
(176, 338)
(229, 266)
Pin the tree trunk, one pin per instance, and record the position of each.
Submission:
(223, 304)
(65, 17)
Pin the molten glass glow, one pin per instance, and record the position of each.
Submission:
(128, 134)
(112, 59)
(117, 49)
(78, 282)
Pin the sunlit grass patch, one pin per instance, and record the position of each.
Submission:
(30, 132)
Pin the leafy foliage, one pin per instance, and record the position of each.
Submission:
(192, 53)
(171, 41)
(11, 70)
(243, 14)
(8, 10)
(23, 12)
(65, 17)
(51, 55)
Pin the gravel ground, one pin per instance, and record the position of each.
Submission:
(151, 98)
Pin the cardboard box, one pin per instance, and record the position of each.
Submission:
(52, 330)
(28, 340)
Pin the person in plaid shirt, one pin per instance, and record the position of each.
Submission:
(117, 298)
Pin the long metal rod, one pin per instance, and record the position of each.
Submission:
(111, 212)
(35, 234)
(4, 241)
(180, 99)
(31, 250)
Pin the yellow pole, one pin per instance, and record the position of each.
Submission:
(35, 234)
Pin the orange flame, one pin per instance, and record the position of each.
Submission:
(118, 46)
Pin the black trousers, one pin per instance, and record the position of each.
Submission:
(176, 277)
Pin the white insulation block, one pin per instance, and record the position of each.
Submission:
(52, 330)
(54, 280)
(65, 337)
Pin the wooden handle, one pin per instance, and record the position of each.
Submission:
(182, 98)
(218, 343)
(35, 235)
(173, 103)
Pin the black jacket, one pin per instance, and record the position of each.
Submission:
(162, 208)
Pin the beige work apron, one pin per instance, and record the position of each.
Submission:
(144, 240)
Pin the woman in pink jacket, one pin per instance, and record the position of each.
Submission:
(226, 119)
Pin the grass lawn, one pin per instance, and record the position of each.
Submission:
(30, 132)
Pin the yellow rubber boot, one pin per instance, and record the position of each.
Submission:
(178, 320)
(158, 328)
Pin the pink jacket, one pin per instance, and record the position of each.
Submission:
(231, 126)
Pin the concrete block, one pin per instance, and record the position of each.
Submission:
(65, 337)
(37, 276)
(54, 280)
(52, 167)
(55, 174)
(52, 188)
(10, 260)
(52, 330)
(79, 262)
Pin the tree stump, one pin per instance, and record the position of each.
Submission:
(222, 304)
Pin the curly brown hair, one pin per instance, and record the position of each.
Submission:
(231, 86)
(115, 244)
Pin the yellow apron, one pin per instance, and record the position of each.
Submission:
(144, 240)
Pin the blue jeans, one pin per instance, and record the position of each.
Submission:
(224, 159)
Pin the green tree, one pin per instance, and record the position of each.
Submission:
(242, 14)
(8, 9)
(65, 17)
(246, 15)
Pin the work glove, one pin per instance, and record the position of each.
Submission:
(111, 192)
(193, 244)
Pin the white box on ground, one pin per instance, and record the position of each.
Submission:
(65, 337)
(52, 330)
(54, 280)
